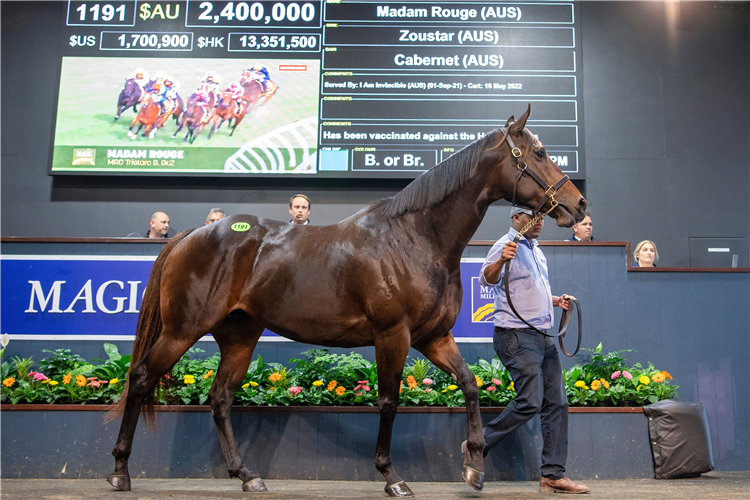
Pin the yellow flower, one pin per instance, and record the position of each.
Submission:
(332, 385)
(80, 380)
(604, 383)
(411, 382)
(114, 381)
(512, 387)
(595, 385)
(580, 383)
(452, 387)
(644, 380)
(318, 383)
(666, 374)
(444, 390)
(341, 390)
(189, 379)
(253, 384)
(480, 383)
(638, 388)
(275, 377)
(67, 378)
(53, 383)
(9, 381)
(245, 386)
(210, 372)
(45, 381)
(658, 377)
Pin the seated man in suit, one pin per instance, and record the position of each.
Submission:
(583, 231)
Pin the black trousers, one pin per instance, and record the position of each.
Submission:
(534, 364)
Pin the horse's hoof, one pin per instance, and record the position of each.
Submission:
(399, 489)
(255, 485)
(119, 481)
(473, 477)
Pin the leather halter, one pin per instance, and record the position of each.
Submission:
(549, 194)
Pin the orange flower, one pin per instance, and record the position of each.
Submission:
(275, 377)
(210, 372)
(80, 380)
(480, 382)
(411, 382)
(332, 385)
(67, 378)
(341, 390)
(666, 374)
(658, 377)
(604, 383)
(9, 381)
(595, 385)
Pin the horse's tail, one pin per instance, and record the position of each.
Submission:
(148, 330)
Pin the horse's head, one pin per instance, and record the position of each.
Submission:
(130, 86)
(541, 183)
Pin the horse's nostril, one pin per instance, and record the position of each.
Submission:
(582, 204)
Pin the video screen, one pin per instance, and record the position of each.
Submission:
(108, 120)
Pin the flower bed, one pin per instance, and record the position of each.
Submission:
(319, 379)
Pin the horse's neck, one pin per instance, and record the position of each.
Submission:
(452, 223)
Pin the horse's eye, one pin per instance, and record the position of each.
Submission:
(541, 154)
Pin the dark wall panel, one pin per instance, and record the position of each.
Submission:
(667, 107)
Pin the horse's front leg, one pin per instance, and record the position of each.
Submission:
(444, 353)
(391, 349)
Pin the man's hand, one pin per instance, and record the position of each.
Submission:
(509, 251)
(563, 301)
(493, 271)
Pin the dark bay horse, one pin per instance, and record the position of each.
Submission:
(387, 276)
(129, 97)
(195, 118)
(227, 111)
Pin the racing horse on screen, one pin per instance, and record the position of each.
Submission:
(129, 97)
(387, 276)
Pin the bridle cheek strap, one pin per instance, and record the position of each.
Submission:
(523, 168)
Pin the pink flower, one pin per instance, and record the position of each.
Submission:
(94, 382)
(295, 390)
(39, 376)
(362, 385)
(627, 375)
(616, 374)
(427, 381)
(491, 388)
(497, 381)
(428, 390)
(358, 394)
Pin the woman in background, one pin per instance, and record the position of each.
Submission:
(645, 254)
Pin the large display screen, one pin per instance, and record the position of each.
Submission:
(347, 89)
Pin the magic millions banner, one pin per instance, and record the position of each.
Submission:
(71, 297)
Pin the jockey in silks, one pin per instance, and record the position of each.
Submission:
(236, 91)
(159, 95)
(259, 73)
(173, 86)
(140, 76)
(211, 82)
(202, 99)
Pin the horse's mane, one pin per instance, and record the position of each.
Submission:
(433, 186)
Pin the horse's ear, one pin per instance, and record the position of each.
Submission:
(510, 121)
(518, 126)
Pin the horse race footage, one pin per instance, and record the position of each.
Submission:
(187, 115)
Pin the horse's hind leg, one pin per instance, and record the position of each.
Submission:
(391, 349)
(236, 342)
(143, 377)
(444, 353)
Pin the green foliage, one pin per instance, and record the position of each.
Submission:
(61, 362)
